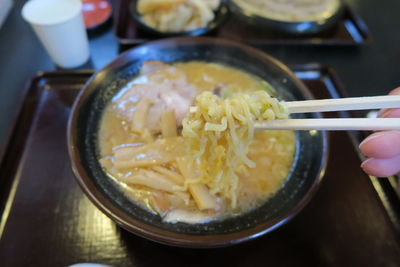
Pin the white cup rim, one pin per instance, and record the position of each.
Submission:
(55, 21)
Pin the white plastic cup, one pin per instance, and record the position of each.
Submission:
(60, 27)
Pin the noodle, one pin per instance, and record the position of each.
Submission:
(219, 132)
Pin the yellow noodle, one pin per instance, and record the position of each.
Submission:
(219, 133)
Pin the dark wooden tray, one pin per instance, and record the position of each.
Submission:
(48, 221)
(350, 31)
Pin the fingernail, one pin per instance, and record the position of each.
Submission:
(365, 162)
(383, 113)
(371, 137)
(395, 91)
(391, 113)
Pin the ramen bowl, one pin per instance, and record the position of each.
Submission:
(253, 17)
(301, 184)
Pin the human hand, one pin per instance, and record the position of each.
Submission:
(383, 148)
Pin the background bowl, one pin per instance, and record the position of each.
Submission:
(220, 16)
(261, 23)
(306, 173)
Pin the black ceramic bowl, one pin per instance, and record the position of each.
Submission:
(84, 122)
(220, 16)
(265, 24)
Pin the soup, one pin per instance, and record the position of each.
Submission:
(143, 150)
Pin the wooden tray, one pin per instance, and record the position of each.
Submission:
(48, 221)
(351, 30)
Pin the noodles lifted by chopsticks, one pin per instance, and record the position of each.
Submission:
(218, 133)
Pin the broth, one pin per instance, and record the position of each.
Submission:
(272, 151)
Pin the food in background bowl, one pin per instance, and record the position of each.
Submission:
(174, 16)
(290, 16)
(218, 167)
(292, 10)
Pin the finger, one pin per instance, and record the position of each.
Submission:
(382, 167)
(385, 144)
(393, 92)
(391, 113)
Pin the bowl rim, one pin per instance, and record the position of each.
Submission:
(149, 231)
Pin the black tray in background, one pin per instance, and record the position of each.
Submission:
(350, 31)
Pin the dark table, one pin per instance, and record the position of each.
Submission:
(370, 69)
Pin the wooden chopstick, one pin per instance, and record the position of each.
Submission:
(350, 124)
(340, 104)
